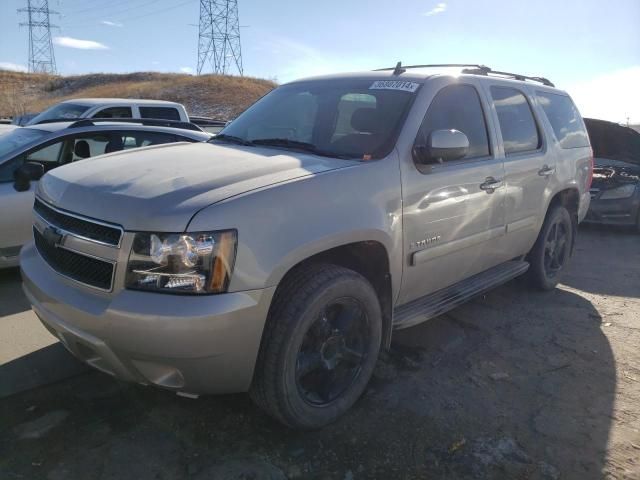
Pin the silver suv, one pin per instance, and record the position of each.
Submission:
(279, 257)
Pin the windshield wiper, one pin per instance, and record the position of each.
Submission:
(232, 139)
(306, 146)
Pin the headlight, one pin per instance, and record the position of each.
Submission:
(621, 192)
(182, 262)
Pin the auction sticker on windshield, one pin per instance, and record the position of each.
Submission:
(395, 85)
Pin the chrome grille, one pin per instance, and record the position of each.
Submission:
(91, 230)
(88, 270)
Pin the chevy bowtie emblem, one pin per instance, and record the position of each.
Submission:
(53, 236)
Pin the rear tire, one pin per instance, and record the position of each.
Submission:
(319, 347)
(551, 252)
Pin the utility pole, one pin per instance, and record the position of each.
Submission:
(219, 37)
(41, 56)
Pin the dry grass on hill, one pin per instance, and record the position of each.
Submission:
(218, 96)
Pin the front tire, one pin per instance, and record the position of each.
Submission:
(319, 348)
(552, 250)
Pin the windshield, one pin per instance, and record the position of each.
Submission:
(67, 111)
(17, 138)
(343, 118)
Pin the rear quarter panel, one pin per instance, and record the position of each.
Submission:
(573, 165)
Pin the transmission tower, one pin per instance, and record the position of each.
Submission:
(41, 57)
(219, 36)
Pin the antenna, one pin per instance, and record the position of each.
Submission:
(41, 56)
(219, 36)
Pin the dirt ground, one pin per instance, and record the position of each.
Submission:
(514, 385)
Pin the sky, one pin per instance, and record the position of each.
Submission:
(589, 48)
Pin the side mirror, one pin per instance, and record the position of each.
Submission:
(25, 174)
(442, 146)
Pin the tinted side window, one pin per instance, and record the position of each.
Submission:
(144, 139)
(47, 155)
(161, 113)
(458, 107)
(518, 127)
(86, 146)
(114, 112)
(564, 119)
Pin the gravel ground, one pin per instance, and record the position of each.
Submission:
(516, 384)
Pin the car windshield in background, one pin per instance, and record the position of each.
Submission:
(66, 111)
(17, 138)
(343, 119)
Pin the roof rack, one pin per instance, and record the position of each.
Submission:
(147, 122)
(469, 68)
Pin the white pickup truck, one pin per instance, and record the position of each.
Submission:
(112, 108)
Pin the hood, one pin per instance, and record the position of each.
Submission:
(609, 173)
(5, 128)
(160, 188)
(610, 162)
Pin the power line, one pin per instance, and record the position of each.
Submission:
(219, 36)
(103, 6)
(118, 14)
(41, 55)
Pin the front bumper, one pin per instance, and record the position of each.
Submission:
(614, 212)
(194, 344)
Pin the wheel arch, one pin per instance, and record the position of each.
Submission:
(568, 198)
(369, 258)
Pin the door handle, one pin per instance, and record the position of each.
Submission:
(490, 184)
(546, 171)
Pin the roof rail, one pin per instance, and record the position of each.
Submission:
(402, 68)
(148, 122)
(515, 76)
(469, 68)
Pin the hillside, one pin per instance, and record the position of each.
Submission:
(217, 96)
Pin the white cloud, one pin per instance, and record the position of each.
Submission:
(439, 8)
(109, 23)
(80, 44)
(611, 96)
(186, 69)
(14, 67)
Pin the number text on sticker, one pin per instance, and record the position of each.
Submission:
(394, 85)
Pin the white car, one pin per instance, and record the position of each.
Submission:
(79, 108)
(27, 153)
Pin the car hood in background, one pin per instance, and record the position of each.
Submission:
(6, 128)
(609, 173)
(161, 188)
(609, 162)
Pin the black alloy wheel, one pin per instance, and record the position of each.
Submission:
(332, 352)
(556, 248)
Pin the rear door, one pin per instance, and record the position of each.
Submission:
(529, 165)
(450, 222)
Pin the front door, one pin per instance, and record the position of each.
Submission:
(15, 214)
(15, 221)
(450, 218)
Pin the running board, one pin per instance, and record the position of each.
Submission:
(442, 301)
